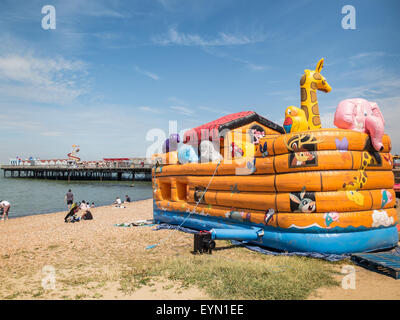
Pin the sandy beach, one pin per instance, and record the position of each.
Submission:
(93, 259)
(93, 249)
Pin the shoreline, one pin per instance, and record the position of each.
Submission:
(65, 211)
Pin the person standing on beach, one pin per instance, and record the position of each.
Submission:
(69, 198)
(5, 206)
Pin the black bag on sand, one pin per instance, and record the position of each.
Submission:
(87, 216)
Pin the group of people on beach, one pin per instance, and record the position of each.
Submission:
(84, 207)
(118, 202)
(74, 208)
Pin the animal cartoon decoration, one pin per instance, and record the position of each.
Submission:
(361, 178)
(208, 152)
(302, 149)
(295, 120)
(242, 149)
(355, 196)
(236, 151)
(187, 154)
(199, 194)
(171, 144)
(310, 82)
(303, 201)
(256, 133)
(363, 116)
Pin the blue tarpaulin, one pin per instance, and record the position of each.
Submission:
(254, 247)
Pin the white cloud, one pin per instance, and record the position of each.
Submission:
(52, 133)
(182, 110)
(176, 100)
(220, 54)
(94, 8)
(256, 67)
(149, 109)
(14, 122)
(174, 37)
(41, 79)
(214, 110)
(147, 73)
(371, 54)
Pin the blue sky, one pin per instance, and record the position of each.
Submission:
(113, 70)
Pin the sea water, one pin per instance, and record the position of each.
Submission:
(36, 196)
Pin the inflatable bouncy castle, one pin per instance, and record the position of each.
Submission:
(296, 187)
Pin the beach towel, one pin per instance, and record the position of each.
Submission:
(137, 223)
(72, 219)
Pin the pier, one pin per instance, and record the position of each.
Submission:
(396, 173)
(112, 171)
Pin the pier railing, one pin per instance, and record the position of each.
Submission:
(108, 171)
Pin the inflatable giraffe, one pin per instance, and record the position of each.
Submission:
(359, 181)
(310, 82)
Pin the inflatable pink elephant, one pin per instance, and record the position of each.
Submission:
(363, 116)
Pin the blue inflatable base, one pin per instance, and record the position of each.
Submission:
(351, 241)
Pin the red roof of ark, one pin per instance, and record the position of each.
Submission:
(230, 121)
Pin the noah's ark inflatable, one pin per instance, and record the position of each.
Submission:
(296, 187)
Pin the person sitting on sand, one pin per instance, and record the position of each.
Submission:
(71, 216)
(5, 206)
(82, 206)
(87, 215)
(127, 199)
(92, 205)
(118, 203)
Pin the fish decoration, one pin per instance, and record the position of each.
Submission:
(386, 197)
(331, 217)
